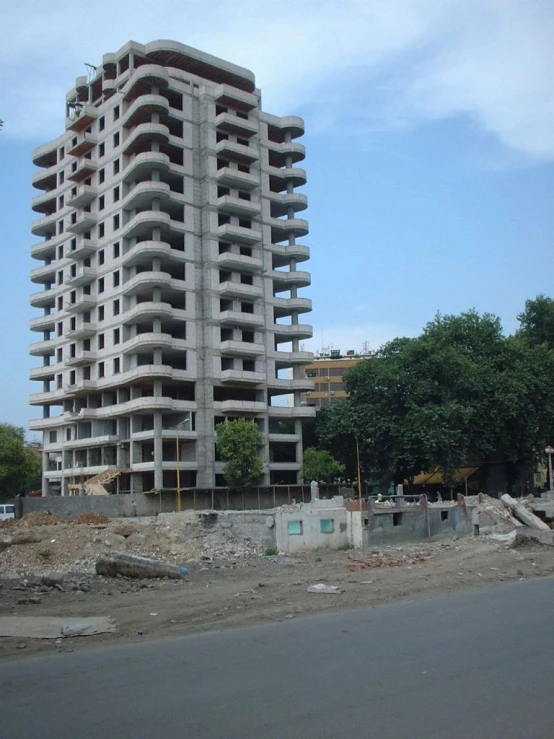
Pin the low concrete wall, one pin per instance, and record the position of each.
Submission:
(306, 518)
(112, 506)
(390, 527)
(258, 527)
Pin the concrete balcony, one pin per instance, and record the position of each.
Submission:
(238, 290)
(232, 124)
(52, 397)
(148, 310)
(143, 164)
(237, 318)
(83, 115)
(43, 424)
(237, 206)
(45, 226)
(82, 304)
(143, 252)
(84, 196)
(235, 98)
(84, 248)
(46, 298)
(45, 274)
(143, 135)
(241, 349)
(278, 178)
(296, 411)
(85, 221)
(146, 220)
(45, 203)
(146, 281)
(80, 359)
(282, 255)
(279, 126)
(43, 348)
(142, 108)
(290, 358)
(281, 202)
(47, 154)
(235, 178)
(240, 407)
(239, 262)
(153, 340)
(286, 306)
(85, 142)
(142, 194)
(43, 323)
(142, 80)
(289, 386)
(238, 377)
(45, 250)
(286, 280)
(239, 234)
(90, 441)
(299, 331)
(84, 331)
(45, 372)
(282, 228)
(46, 179)
(82, 276)
(85, 168)
(236, 152)
(283, 438)
(279, 153)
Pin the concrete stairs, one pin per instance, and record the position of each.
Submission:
(95, 485)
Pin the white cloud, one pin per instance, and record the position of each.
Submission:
(368, 61)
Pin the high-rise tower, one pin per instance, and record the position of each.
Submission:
(171, 290)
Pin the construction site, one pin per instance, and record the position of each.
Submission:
(180, 573)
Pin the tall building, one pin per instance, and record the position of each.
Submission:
(327, 372)
(171, 290)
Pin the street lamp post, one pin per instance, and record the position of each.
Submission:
(550, 451)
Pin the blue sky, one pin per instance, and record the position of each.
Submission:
(429, 136)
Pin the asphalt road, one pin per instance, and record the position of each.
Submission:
(478, 664)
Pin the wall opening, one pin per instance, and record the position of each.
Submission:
(295, 528)
(397, 519)
(327, 525)
(444, 515)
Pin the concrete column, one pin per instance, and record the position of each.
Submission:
(157, 388)
(158, 451)
(44, 470)
(157, 356)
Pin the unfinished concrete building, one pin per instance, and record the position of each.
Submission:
(171, 295)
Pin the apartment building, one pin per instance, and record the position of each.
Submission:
(172, 299)
(327, 373)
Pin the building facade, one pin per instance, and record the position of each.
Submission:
(327, 373)
(171, 295)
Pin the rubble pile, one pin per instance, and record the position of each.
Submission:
(92, 518)
(380, 559)
(40, 543)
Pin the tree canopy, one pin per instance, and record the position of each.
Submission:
(20, 468)
(238, 442)
(321, 466)
(458, 392)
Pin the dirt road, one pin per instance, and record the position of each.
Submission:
(223, 594)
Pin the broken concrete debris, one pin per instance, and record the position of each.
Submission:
(321, 587)
(130, 565)
(47, 627)
(524, 515)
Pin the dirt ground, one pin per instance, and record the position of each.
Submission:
(223, 593)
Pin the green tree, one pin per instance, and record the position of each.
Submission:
(20, 468)
(320, 465)
(238, 442)
(537, 321)
(429, 402)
